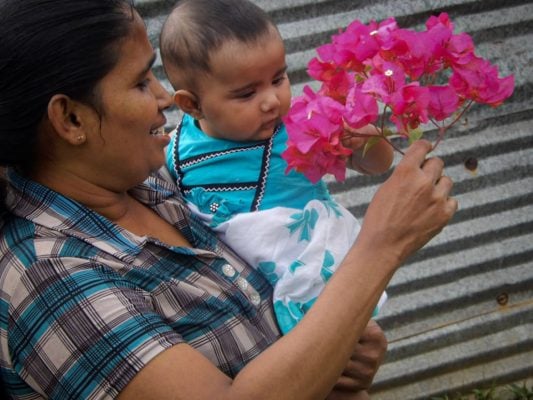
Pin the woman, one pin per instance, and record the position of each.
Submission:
(109, 287)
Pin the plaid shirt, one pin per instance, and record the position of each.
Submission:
(85, 304)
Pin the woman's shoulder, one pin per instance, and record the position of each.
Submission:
(24, 243)
(17, 240)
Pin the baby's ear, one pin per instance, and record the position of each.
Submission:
(188, 102)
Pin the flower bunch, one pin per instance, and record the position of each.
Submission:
(394, 78)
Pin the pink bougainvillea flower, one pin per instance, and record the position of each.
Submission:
(460, 49)
(422, 52)
(354, 46)
(414, 53)
(386, 78)
(329, 158)
(298, 111)
(410, 107)
(320, 159)
(478, 80)
(437, 39)
(383, 30)
(359, 37)
(326, 53)
(325, 106)
(443, 101)
(361, 108)
(337, 86)
(322, 70)
(415, 76)
(314, 126)
(301, 162)
(312, 130)
(441, 19)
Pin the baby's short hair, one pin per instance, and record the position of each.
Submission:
(196, 28)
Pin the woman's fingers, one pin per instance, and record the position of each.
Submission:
(443, 188)
(365, 360)
(416, 153)
(434, 168)
(412, 206)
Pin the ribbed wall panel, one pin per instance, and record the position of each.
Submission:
(460, 312)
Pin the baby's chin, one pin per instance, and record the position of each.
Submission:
(267, 130)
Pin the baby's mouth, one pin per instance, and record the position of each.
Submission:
(158, 131)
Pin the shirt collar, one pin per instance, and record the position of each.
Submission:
(51, 210)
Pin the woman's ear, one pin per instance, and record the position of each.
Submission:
(188, 102)
(67, 117)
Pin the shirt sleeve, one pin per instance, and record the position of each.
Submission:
(80, 330)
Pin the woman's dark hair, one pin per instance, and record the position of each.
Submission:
(50, 47)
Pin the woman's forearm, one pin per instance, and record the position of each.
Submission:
(306, 363)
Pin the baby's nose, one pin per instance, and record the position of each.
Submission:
(270, 103)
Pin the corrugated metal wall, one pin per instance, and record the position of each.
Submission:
(460, 312)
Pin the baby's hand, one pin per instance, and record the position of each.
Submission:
(376, 160)
(355, 139)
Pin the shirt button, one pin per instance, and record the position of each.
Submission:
(256, 299)
(228, 270)
(242, 284)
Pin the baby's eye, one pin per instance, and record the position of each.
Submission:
(277, 81)
(245, 95)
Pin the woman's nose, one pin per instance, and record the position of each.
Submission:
(164, 99)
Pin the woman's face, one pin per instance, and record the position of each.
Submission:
(124, 145)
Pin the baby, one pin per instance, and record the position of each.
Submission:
(226, 61)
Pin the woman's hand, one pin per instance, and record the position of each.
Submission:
(377, 159)
(363, 364)
(410, 207)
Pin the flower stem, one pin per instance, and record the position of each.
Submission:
(443, 129)
(378, 135)
(393, 145)
(383, 130)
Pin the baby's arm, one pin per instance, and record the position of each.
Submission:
(377, 159)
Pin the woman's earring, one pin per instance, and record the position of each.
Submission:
(80, 139)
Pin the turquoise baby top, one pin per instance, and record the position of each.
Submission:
(224, 177)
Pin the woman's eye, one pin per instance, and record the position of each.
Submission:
(143, 84)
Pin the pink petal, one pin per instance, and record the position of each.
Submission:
(443, 102)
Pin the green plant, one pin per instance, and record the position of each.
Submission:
(510, 392)
(521, 392)
(484, 394)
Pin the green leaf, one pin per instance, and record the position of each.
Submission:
(359, 79)
(415, 134)
(387, 132)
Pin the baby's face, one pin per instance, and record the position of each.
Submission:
(247, 91)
